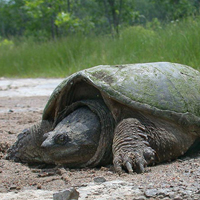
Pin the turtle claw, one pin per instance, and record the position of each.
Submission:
(121, 162)
(130, 162)
(118, 166)
(140, 164)
(129, 167)
(140, 169)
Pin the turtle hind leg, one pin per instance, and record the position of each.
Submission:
(138, 143)
(131, 149)
(168, 139)
(27, 147)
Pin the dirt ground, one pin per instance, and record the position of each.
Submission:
(179, 179)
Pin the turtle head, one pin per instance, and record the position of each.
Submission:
(74, 140)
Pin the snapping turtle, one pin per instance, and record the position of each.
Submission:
(134, 115)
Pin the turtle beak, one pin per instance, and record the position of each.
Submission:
(47, 144)
(45, 136)
(48, 140)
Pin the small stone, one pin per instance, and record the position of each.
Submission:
(198, 192)
(196, 197)
(99, 179)
(140, 198)
(150, 192)
(9, 132)
(104, 169)
(163, 192)
(39, 186)
(171, 194)
(69, 194)
(43, 174)
(18, 188)
(13, 187)
(177, 198)
(36, 170)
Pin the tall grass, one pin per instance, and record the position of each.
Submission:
(176, 42)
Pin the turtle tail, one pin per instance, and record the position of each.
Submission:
(27, 147)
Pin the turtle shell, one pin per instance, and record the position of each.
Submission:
(163, 89)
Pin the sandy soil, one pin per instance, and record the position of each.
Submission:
(179, 179)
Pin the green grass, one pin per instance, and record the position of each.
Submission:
(179, 42)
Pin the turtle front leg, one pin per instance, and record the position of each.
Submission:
(131, 149)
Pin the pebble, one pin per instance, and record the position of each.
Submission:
(13, 187)
(171, 195)
(99, 179)
(9, 132)
(178, 198)
(151, 192)
(39, 186)
(68, 194)
(140, 198)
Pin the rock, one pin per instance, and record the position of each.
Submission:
(171, 195)
(99, 179)
(150, 192)
(164, 192)
(196, 197)
(178, 198)
(27, 194)
(69, 194)
(39, 186)
(13, 187)
(9, 132)
(140, 198)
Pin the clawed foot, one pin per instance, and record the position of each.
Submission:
(131, 149)
(133, 161)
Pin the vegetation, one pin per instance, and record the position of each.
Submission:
(47, 38)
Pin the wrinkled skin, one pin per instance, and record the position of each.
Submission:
(74, 140)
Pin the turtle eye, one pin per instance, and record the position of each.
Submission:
(61, 139)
